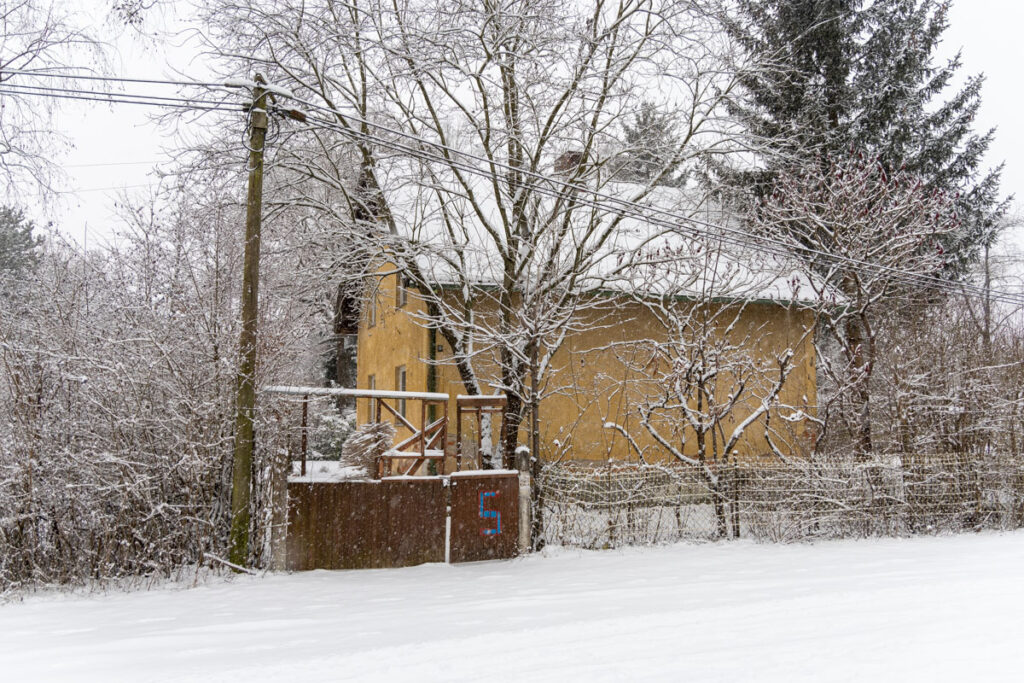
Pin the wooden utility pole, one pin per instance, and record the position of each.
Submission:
(245, 401)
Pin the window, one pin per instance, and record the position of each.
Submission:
(400, 386)
(401, 293)
(371, 384)
(371, 312)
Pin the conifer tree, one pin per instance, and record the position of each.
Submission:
(848, 82)
(650, 143)
(846, 77)
(19, 248)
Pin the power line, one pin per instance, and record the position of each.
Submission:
(114, 99)
(104, 189)
(30, 89)
(779, 248)
(744, 237)
(112, 79)
(622, 206)
(115, 163)
(643, 212)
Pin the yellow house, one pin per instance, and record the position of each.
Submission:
(688, 342)
(604, 377)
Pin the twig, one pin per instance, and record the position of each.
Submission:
(224, 562)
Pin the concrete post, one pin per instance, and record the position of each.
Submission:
(525, 498)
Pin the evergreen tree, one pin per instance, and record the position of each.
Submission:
(18, 246)
(848, 82)
(848, 76)
(650, 144)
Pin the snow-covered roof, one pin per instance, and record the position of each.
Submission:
(681, 244)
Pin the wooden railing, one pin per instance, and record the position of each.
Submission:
(427, 437)
(426, 443)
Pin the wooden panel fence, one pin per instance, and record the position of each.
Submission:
(366, 524)
(399, 522)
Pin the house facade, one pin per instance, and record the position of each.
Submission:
(607, 395)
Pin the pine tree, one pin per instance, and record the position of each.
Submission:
(844, 77)
(650, 143)
(19, 248)
(846, 82)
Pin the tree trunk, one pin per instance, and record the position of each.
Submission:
(860, 368)
(510, 429)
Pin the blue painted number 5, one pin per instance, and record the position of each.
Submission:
(489, 514)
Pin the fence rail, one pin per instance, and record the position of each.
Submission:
(627, 504)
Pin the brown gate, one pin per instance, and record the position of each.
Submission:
(401, 522)
(485, 516)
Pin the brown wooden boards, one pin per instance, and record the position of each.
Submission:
(485, 516)
(365, 524)
(399, 522)
(417, 512)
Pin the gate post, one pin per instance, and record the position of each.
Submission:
(525, 497)
(280, 468)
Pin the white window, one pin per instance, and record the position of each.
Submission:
(401, 293)
(371, 384)
(400, 386)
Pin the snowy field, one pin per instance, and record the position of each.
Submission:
(924, 609)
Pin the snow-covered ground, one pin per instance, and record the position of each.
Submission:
(325, 470)
(924, 609)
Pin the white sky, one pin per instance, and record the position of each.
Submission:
(115, 147)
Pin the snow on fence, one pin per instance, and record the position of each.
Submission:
(628, 504)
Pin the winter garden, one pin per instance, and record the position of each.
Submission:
(736, 270)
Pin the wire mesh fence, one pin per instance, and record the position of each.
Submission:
(632, 504)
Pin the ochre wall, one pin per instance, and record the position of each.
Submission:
(589, 385)
(395, 340)
(599, 377)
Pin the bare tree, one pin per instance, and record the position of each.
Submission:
(868, 239)
(116, 370)
(492, 94)
(949, 374)
(40, 38)
(713, 360)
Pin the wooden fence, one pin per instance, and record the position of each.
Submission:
(402, 521)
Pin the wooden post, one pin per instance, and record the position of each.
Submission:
(305, 431)
(536, 499)
(458, 436)
(534, 405)
(282, 465)
(423, 428)
(245, 397)
(736, 474)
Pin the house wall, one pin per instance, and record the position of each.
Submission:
(594, 380)
(599, 378)
(590, 383)
(393, 341)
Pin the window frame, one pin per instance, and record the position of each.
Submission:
(401, 384)
(371, 313)
(401, 292)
